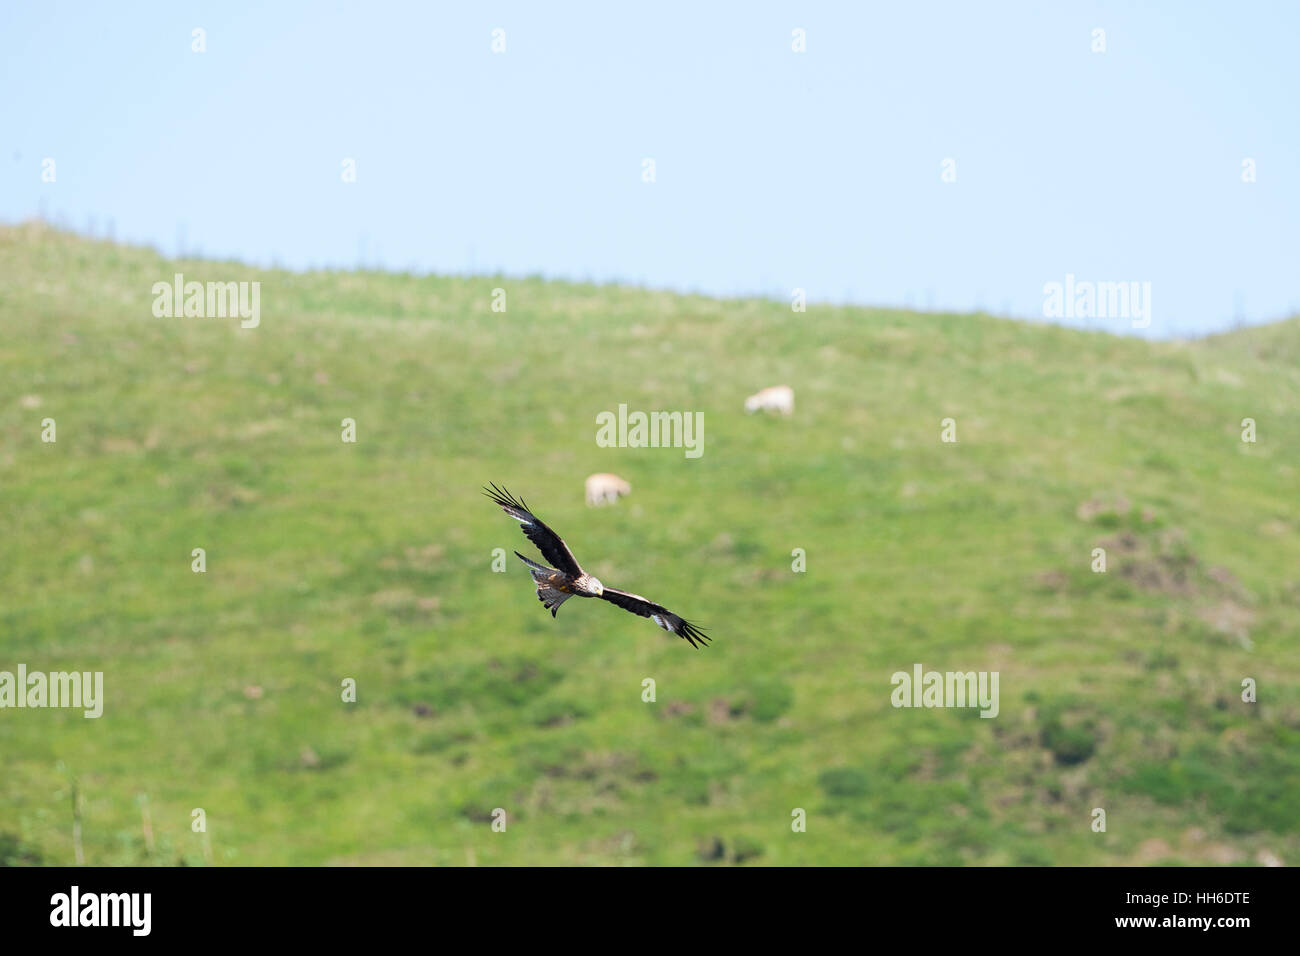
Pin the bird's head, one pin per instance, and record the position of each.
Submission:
(596, 586)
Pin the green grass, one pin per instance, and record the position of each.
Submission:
(372, 561)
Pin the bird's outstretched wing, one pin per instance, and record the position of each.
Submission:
(657, 613)
(548, 542)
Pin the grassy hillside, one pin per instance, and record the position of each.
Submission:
(373, 561)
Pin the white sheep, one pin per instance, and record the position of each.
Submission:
(605, 489)
(777, 398)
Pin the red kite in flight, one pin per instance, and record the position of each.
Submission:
(567, 579)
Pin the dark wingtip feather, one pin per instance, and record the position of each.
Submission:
(504, 498)
(692, 633)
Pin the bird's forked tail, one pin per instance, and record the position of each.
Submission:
(543, 576)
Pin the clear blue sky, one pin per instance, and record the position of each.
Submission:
(775, 170)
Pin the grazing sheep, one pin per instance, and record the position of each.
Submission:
(778, 398)
(605, 489)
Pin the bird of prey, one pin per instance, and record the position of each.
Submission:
(567, 579)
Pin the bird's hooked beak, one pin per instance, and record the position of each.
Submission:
(600, 588)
